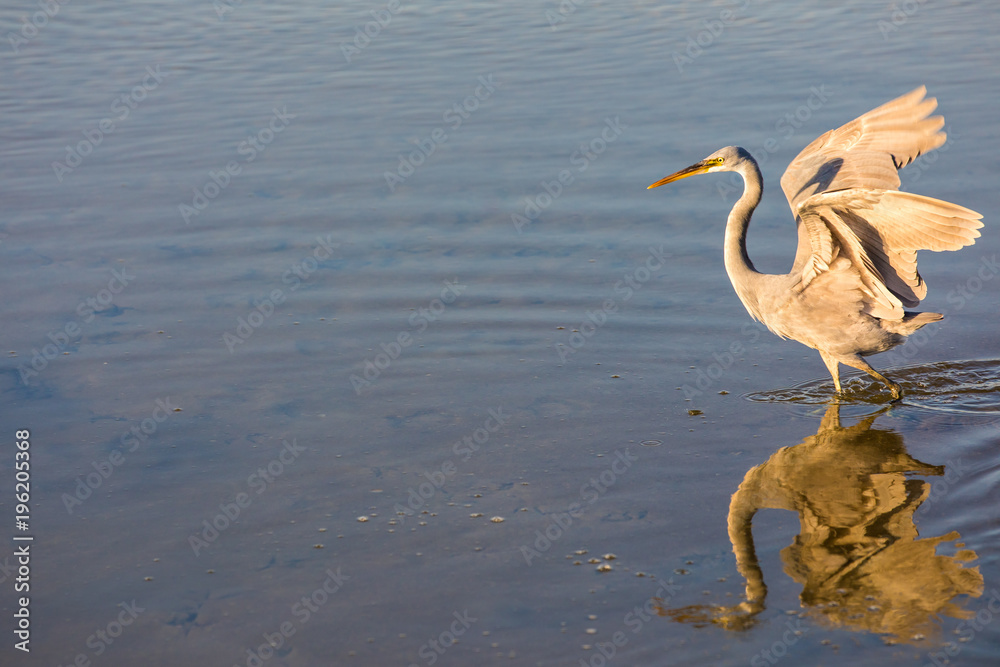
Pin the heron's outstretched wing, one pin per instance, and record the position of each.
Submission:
(842, 189)
(867, 152)
(880, 232)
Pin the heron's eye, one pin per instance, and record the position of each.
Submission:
(720, 160)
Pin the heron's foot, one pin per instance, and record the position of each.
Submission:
(897, 391)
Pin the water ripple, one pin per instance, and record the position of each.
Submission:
(949, 386)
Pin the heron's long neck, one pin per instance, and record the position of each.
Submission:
(738, 265)
(744, 504)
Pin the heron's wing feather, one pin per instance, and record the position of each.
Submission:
(878, 301)
(894, 225)
(867, 152)
(824, 250)
(880, 233)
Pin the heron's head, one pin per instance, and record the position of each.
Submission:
(724, 159)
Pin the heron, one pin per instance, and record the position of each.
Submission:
(855, 267)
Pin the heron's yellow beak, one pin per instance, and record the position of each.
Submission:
(699, 168)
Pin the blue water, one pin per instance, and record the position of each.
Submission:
(290, 316)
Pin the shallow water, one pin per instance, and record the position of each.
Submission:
(273, 399)
(959, 387)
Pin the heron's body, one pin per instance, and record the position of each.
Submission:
(856, 265)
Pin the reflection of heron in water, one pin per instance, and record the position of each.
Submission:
(858, 556)
(856, 265)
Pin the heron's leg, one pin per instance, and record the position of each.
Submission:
(832, 365)
(862, 365)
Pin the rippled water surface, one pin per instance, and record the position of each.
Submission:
(350, 335)
(961, 387)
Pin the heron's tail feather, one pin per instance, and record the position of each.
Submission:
(911, 322)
